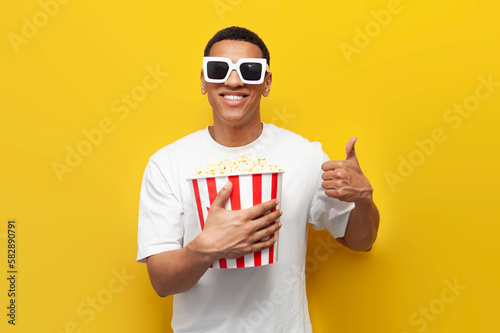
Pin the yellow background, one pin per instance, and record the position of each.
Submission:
(74, 234)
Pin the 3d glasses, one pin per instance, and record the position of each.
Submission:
(250, 70)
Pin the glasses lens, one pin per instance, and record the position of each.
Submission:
(217, 70)
(251, 71)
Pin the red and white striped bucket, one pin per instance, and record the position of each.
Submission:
(249, 189)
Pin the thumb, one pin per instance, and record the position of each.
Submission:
(350, 151)
(223, 195)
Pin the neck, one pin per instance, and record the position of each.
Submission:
(237, 135)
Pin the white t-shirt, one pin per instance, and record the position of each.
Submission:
(270, 298)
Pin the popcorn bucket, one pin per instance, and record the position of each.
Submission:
(249, 189)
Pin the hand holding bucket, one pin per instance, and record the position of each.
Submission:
(237, 214)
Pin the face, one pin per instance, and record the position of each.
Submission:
(231, 111)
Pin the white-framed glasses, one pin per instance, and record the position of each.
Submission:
(250, 70)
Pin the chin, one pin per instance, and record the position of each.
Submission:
(233, 116)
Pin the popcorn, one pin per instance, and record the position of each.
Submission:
(243, 165)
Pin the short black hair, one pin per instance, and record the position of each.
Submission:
(238, 33)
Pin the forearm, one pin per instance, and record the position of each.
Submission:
(176, 271)
(362, 227)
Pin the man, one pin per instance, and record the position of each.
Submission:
(327, 194)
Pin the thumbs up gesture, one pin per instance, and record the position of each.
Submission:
(344, 180)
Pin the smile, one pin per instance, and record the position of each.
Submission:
(233, 97)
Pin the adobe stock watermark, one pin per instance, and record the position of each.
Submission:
(454, 116)
(281, 118)
(223, 6)
(254, 320)
(30, 27)
(121, 107)
(419, 320)
(372, 29)
(88, 309)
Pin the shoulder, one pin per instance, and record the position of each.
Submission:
(169, 162)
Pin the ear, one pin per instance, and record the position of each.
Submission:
(267, 84)
(203, 84)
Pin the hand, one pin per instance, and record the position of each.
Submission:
(344, 180)
(234, 233)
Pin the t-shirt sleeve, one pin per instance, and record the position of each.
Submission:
(326, 212)
(161, 225)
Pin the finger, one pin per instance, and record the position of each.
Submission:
(266, 220)
(327, 175)
(350, 151)
(332, 165)
(340, 174)
(266, 232)
(335, 193)
(261, 245)
(223, 195)
(329, 184)
(334, 184)
(335, 174)
(260, 209)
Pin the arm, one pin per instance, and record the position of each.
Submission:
(344, 180)
(362, 227)
(176, 271)
(227, 234)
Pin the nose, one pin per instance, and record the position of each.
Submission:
(233, 80)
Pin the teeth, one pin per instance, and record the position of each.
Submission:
(233, 97)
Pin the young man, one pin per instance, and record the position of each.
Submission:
(327, 194)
